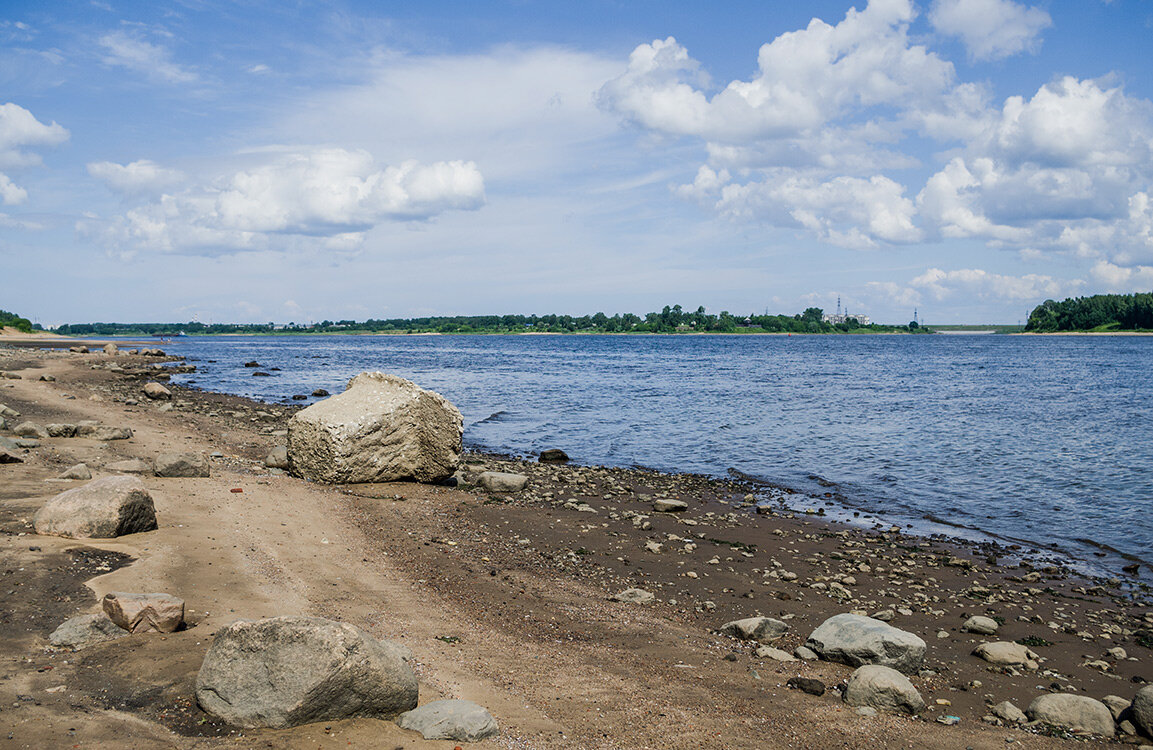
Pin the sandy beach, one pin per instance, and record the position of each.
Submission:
(504, 599)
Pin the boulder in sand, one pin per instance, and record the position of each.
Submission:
(144, 613)
(462, 721)
(181, 465)
(884, 689)
(111, 349)
(857, 640)
(85, 630)
(382, 428)
(8, 411)
(95, 431)
(130, 466)
(30, 430)
(79, 471)
(156, 391)
(501, 481)
(669, 505)
(277, 458)
(980, 625)
(1078, 713)
(1007, 653)
(760, 629)
(293, 670)
(102, 509)
(1142, 710)
(61, 430)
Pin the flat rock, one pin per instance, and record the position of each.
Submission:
(79, 471)
(9, 412)
(383, 428)
(287, 671)
(102, 509)
(761, 629)
(144, 613)
(884, 689)
(1007, 653)
(669, 505)
(980, 625)
(806, 654)
(31, 430)
(1078, 713)
(85, 630)
(501, 481)
(461, 721)
(181, 465)
(634, 596)
(806, 685)
(857, 640)
(129, 466)
(776, 654)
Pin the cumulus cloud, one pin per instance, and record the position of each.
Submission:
(131, 51)
(328, 195)
(982, 284)
(143, 176)
(1123, 279)
(19, 129)
(990, 29)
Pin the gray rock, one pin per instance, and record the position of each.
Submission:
(112, 433)
(79, 471)
(1008, 712)
(760, 629)
(144, 613)
(9, 456)
(634, 596)
(1078, 713)
(980, 625)
(26, 443)
(31, 430)
(1142, 709)
(1007, 653)
(8, 411)
(776, 654)
(382, 428)
(181, 465)
(156, 391)
(61, 430)
(669, 505)
(500, 481)
(130, 466)
(1116, 705)
(462, 721)
(884, 689)
(111, 349)
(102, 509)
(86, 630)
(294, 670)
(857, 640)
(277, 458)
(806, 685)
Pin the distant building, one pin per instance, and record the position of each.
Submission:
(838, 318)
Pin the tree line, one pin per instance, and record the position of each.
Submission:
(1101, 312)
(12, 320)
(671, 319)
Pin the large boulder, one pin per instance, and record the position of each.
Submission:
(102, 509)
(30, 430)
(382, 428)
(156, 391)
(761, 629)
(884, 689)
(294, 670)
(181, 465)
(462, 721)
(85, 630)
(1142, 709)
(857, 640)
(144, 613)
(1078, 713)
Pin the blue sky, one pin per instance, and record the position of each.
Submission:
(260, 161)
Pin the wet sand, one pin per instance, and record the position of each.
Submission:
(504, 599)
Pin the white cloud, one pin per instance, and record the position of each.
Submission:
(985, 285)
(990, 29)
(19, 129)
(1123, 279)
(10, 193)
(142, 176)
(327, 197)
(130, 51)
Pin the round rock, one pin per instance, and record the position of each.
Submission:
(884, 689)
(1078, 713)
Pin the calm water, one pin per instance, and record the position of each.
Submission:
(1037, 439)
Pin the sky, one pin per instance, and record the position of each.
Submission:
(269, 161)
